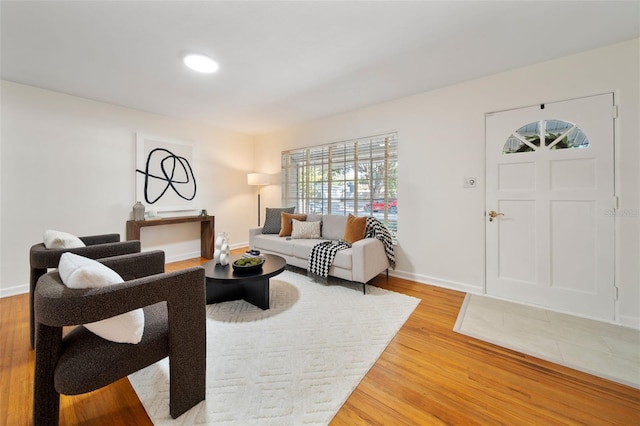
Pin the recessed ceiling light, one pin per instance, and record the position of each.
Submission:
(201, 63)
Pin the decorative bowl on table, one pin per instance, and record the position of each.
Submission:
(246, 264)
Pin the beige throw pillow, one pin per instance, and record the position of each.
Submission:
(302, 230)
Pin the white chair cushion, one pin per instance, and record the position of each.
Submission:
(61, 240)
(81, 272)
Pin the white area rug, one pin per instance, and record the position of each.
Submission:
(605, 350)
(296, 363)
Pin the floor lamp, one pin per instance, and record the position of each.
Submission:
(259, 180)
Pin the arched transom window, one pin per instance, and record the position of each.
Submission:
(554, 134)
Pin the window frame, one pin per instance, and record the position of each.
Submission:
(344, 178)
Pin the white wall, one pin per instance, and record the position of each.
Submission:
(441, 140)
(68, 164)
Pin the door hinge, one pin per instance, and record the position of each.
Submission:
(615, 293)
(616, 202)
(614, 111)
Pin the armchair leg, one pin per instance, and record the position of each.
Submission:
(35, 274)
(46, 401)
(188, 353)
(185, 390)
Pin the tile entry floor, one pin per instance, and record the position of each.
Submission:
(602, 349)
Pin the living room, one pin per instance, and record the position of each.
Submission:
(68, 160)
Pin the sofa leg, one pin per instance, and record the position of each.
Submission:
(364, 289)
(387, 273)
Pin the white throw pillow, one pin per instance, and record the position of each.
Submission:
(61, 240)
(81, 272)
(301, 229)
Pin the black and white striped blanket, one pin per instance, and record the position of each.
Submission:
(322, 254)
(376, 229)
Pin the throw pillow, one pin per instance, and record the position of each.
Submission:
(314, 217)
(354, 229)
(285, 225)
(333, 226)
(81, 272)
(61, 240)
(272, 220)
(301, 230)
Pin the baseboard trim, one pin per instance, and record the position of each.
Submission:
(438, 282)
(182, 256)
(239, 245)
(197, 254)
(14, 291)
(628, 321)
(623, 320)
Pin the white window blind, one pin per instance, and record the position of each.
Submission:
(358, 176)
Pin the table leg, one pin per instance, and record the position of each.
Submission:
(207, 232)
(216, 292)
(256, 292)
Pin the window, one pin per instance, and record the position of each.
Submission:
(358, 176)
(558, 134)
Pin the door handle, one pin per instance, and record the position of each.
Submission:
(493, 214)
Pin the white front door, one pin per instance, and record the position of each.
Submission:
(550, 186)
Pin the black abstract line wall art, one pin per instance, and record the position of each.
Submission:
(165, 173)
(167, 161)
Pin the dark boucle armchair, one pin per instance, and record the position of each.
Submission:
(174, 309)
(97, 247)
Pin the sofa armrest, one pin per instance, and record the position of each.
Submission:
(368, 259)
(252, 234)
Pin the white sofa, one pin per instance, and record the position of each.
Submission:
(360, 263)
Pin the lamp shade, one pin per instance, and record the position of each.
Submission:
(258, 179)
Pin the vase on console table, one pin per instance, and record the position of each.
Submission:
(221, 250)
(138, 211)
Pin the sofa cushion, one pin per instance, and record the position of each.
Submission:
(343, 259)
(302, 250)
(313, 217)
(354, 228)
(273, 243)
(305, 230)
(286, 224)
(273, 220)
(333, 226)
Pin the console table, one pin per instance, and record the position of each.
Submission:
(207, 230)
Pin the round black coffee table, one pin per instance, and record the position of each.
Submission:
(224, 283)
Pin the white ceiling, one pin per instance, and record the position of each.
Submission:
(286, 62)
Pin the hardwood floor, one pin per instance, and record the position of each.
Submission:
(427, 375)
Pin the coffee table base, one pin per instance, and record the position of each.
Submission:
(223, 283)
(254, 291)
